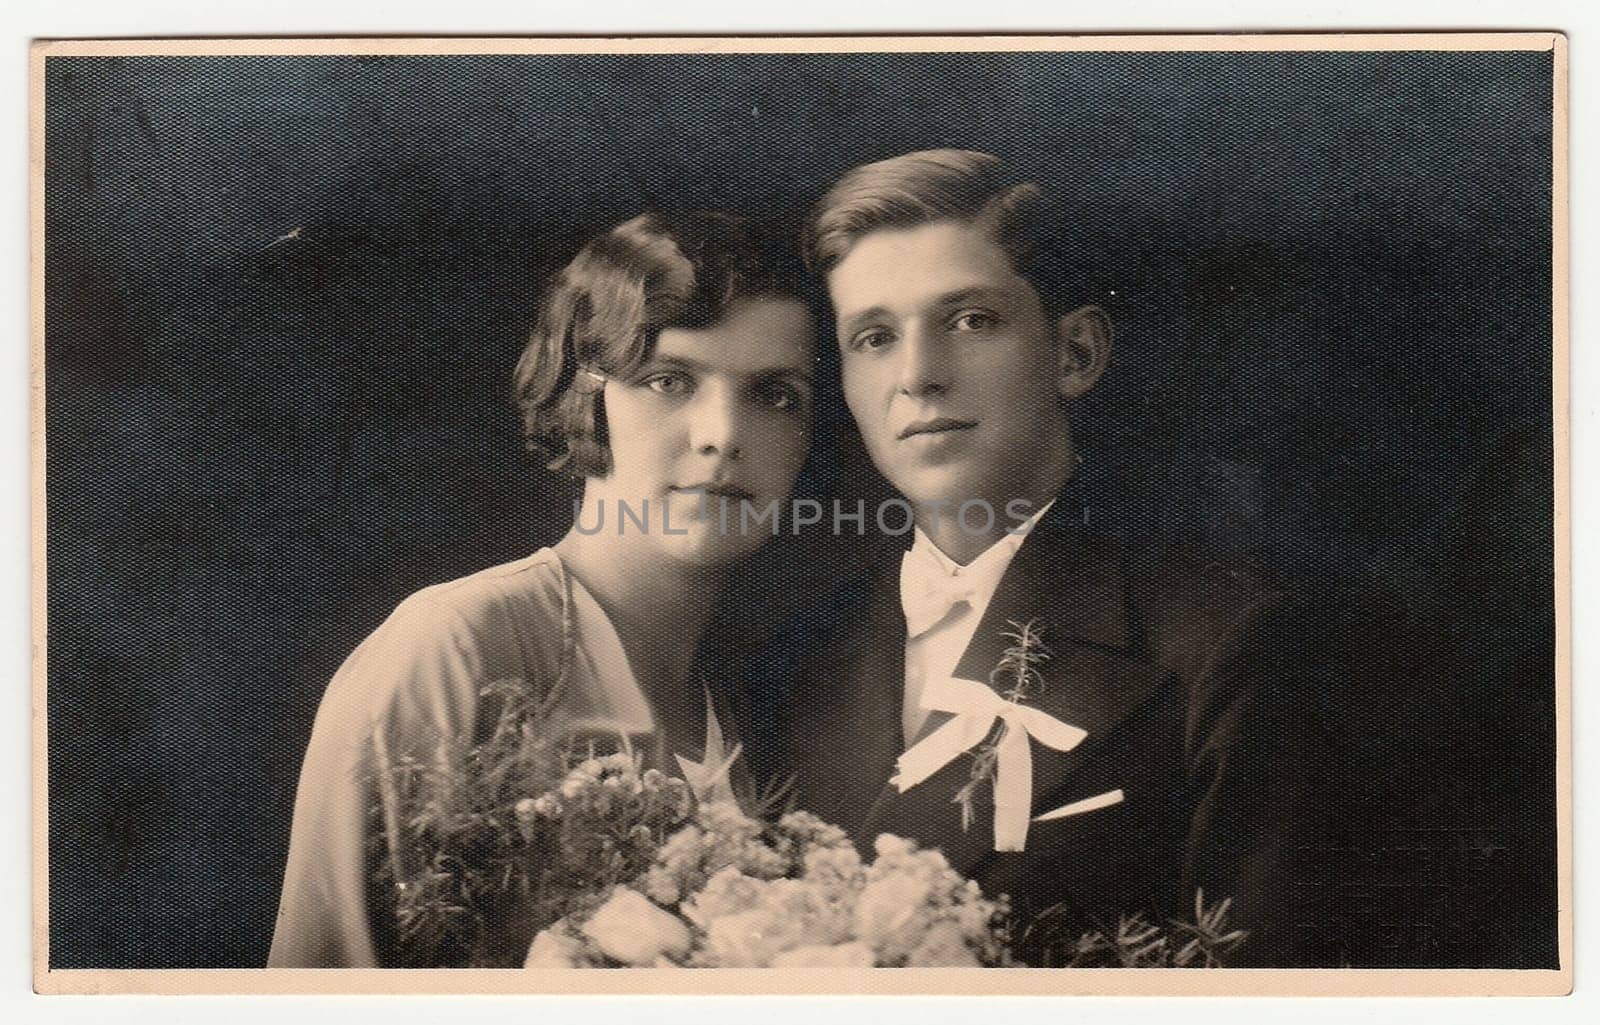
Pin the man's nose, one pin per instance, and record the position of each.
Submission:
(923, 369)
(716, 421)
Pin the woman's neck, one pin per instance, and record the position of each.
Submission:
(659, 607)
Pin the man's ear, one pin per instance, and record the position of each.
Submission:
(1085, 337)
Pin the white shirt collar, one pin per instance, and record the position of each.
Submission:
(991, 564)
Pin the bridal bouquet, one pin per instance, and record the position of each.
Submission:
(728, 891)
(521, 851)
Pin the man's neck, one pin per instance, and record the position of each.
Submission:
(960, 538)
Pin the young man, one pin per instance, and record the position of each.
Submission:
(1073, 724)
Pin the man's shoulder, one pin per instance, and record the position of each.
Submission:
(1187, 608)
(1175, 586)
(831, 624)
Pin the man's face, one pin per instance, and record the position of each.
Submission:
(950, 366)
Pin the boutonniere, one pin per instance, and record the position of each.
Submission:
(994, 723)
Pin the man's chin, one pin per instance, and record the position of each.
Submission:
(933, 486)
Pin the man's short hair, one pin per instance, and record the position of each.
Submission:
(602, 314)
(929, 186)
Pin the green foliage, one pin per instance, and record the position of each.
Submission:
(478, 849)
(1016, 676)
(1052, 940)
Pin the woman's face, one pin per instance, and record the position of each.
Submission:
(711, 431)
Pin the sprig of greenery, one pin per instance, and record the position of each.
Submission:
(454, 858)
(1052, 941)
(1210, 939)
(477, 848)
(1016, 676)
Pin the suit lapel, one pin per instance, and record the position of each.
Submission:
(1068, 584)
(853, 746)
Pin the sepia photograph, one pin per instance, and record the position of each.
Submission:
(852, 512)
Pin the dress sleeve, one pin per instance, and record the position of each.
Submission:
(411, 683)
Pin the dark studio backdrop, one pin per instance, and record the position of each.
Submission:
(284, 295)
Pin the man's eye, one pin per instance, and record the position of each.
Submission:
(872, 338)
(669, 384)
(974, 320)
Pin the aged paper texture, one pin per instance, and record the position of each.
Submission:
(980, 514)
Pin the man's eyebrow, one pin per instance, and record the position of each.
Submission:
(955, 297)
(860, 317)
(973, 294)
(799, 373)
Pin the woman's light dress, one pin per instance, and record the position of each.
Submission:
(416, 679)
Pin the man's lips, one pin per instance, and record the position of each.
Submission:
(938, 425)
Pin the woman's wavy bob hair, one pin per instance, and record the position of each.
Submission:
(602, 314)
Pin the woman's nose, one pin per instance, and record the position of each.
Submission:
(715, 426)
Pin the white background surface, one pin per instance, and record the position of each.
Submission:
(30, 20)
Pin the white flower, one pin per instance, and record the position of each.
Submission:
(841, 955)
(552, 949)
(748, 939)
(727, 820)
(726, 893)
(888, 904)
(812, 831)
(660, 886)
(943, 947)
(832, 866)
(630, 929)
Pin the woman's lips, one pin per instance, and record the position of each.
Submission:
(716, 490)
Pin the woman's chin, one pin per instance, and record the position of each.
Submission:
(705, 547)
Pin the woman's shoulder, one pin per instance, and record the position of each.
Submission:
(433, 655)
(524, 585)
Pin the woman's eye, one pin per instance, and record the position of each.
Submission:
(669, 384)
(781, 396)
(974, 320)
(872, 338)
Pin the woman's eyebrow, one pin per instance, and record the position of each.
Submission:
(675, 362)
(801, 372)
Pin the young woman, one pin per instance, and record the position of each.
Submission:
(671, 370)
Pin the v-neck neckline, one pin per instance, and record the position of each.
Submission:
(615, 678)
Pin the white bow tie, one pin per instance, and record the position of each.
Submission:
(928, 592)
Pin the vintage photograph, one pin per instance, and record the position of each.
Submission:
(860, 511)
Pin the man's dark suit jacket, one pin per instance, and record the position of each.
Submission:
(1176, 671)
